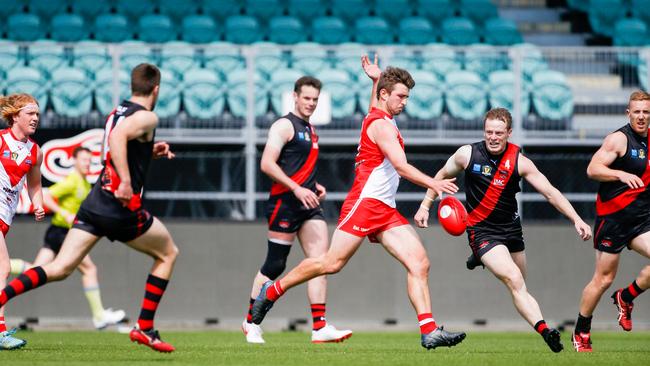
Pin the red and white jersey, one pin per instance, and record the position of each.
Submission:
(375, 177)
(16, 159)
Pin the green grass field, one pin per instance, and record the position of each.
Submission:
(229, 348)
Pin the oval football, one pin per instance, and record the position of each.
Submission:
(452, 215)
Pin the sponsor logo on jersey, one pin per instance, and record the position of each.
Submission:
(498, 182)
(6, 153)
(283, 224)
(362, 229)
(476, 168)
(487, 170)
(606, 243)
(634, 153)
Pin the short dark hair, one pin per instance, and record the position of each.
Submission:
(144, 78)
(79, 149)
(307, 80)
(500, 114)
(392, 76)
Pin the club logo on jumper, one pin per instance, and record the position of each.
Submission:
(362, 229)
(476, 168)
(606, 243)
(641, 154)
(58, 159)
(14, 156)
(487, 170)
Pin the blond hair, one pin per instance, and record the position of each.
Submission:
(638, 95)
(11, 105)
(500, 114)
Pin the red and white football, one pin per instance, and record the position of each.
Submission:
(452, 215)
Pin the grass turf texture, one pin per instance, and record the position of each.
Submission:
(230, 348)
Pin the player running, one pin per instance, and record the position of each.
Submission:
(293, 208)
(114, 209)
(64, 199)
(20, 162)
(369, 209)
(623, 218)
(493, 168)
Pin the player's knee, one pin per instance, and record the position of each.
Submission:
(276, 260)
(172, 252)
(420, 267)
(88, 269)
(514, 280)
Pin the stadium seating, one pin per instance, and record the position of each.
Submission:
(459, 31)
(483, 59)
(199, 29)
(90, 9)
(286, 30)
(551, 95)
(282, 81)
(104, 89)
(169, 98)
(70, 94)
(24, 27)
(112, 28)
(465, 95)
(90, 56)
(46, 56)
(435, 10)
(532, 61)
(68, 28)
(222, 57)
(582, 5)
(343, 97)
(349, 10)
(426, 100)
(502, 92)
(641, 10)
(45, 8)
(9, 7)
(135, 53)
(347, 56)
(263, 10)
(393, 10)
(242, 29)
(134, 9)
(9, 58)
(203, 95)
(478, 11)
(306, 10)
(309, 58)
(501, 32)
(630, 33)
(372, 30)
(220, 9)
(238, 93)
(329, 30)
(269, 57)
(177, 58)
(156, 28)
(439, 59)
(603, 15)
(416, 31)
(28, 80)
(175, 9)
(405, 59)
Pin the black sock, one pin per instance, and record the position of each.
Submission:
(249, 316)
(583, 325)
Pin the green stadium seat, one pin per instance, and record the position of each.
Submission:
(9, 7)
(28, 80)
(242, 29)
(70, 94)
(203, 95)
(133, 10)
(68, 28)
(10, 57)
(220, 9)
(502, 92)
(134, 53)
(309, 58)
(306, 10)
(104, 89)
(329, 30)
(238, 93)
(459, 31)
(582, 5)
(112, 28)
(405, 59)
(435, 10)
(642, 69)
(533, 60)
(466, 96)
(286, 30)
(90, 56)
(552, 96)
(177, 58)
(483, 59)
(45, 8)
(24, 27)
(478, 11)
(501, 32)
(169, 98)
(223, 57)
(177, 10)
(364, 85)
(282, 81)
(199, 29)
(416, 30)
(347, 56)
(156, 28)
(90, 9)
(46, 56)
(263, 9)
(372, 30)
(426, 99)
(603, 15)
(630, 33)
(439, 59)
(268, 58)
(349, 10)
(641, 10)
(338, 84)
(393, 10)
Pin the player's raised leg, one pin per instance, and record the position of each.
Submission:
(624, 297)
(157, 243)
(7, 340)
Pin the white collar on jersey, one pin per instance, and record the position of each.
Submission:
(21, 149)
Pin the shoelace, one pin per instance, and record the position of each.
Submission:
(11, 332)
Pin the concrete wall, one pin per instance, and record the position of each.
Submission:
(218, 261)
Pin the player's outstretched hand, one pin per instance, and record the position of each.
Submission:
(306, 197)
(321, 192)
(632, 181)
(124, 192)
(422, 218)
(371, 68)
(39, 213)
(441, 186)
(161, 150)
(584, 230)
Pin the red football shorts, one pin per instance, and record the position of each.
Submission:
(4, 228)
(368, 217)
